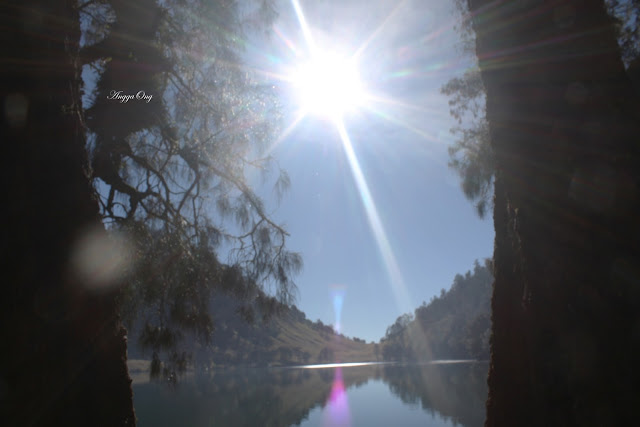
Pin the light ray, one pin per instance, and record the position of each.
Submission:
(451, 361)
(378, 30)
(405, 125)
(287, 41)
(337, 293)
(304, 26)
(301, 115)
(438, 32)
(406, 105)
(269, 74)
(393, 270)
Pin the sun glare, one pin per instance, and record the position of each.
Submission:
(328, 85)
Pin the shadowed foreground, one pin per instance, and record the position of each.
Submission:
(564, 128)
(64, 351)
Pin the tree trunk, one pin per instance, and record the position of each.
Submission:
(64, 351)
(564, 127)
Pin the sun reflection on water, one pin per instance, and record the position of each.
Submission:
(337, 408)
(339, 365)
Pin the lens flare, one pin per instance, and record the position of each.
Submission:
(99, 259)
(328, 85)
(337, 410)
(340, 90)
(337, 293)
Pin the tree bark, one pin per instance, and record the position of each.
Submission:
(64, 350)
(564, 127)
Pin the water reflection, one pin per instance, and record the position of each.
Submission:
(457, 392)
(285, 397)
(337, 407)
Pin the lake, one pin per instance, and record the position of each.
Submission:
(443, 393)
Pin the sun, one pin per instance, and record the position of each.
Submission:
(328, 85)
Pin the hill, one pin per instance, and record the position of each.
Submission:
(455, 325)
(288, 338)
(244, 336)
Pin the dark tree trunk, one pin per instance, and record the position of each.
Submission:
(564, 123)
(63, 358)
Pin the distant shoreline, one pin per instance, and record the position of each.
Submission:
(139, 368)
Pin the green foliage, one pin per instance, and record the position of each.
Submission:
(286, 339)
(399, 325)
(169, 300)
(455, 324)
(627, 17)
(326, 355)
(175, 161)
(171, 173)
(471, 156)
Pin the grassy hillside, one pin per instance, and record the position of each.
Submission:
(242, 336)
(284, 339)
(321, 343)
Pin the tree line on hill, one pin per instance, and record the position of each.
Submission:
(454, 325)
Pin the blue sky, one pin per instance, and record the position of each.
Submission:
(396, 238)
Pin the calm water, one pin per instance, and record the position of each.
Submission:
(443, 394)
